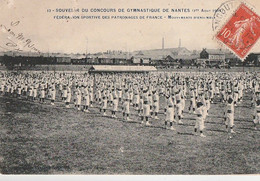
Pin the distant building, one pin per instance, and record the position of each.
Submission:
(63, 60)
(109, 58)
(78, 58)
(232, 60)
(140, 60)
(253, 59)
(212, 54)
(212, 57)
(161, 54)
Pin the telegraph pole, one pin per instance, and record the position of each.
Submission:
(86, 50)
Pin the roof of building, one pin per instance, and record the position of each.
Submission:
(216, 51)
(255, 53)
(117, 68)
(160, 53)
(230, 56)
(185, 57)
(117, 55)
(77, 56)
(141, 56)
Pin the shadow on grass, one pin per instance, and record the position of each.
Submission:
(189, 134)
(246, 128)
(243, 120)
(208, 122)
(130, 121)
(217, 130)
(184, 124)
(213, 116)
(188, 118)
(244, 106)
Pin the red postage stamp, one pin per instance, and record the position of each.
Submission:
(241, 32)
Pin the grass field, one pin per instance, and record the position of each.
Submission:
(41, 139)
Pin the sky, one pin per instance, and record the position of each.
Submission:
(47, 34)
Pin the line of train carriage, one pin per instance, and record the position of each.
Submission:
(24, 60)
(167, 61)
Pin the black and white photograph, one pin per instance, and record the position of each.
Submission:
(141, 87)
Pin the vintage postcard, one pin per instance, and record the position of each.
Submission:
(140, 87)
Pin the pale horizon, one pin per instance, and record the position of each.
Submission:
(92, 36)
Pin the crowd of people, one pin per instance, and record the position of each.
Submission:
(143, 94)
